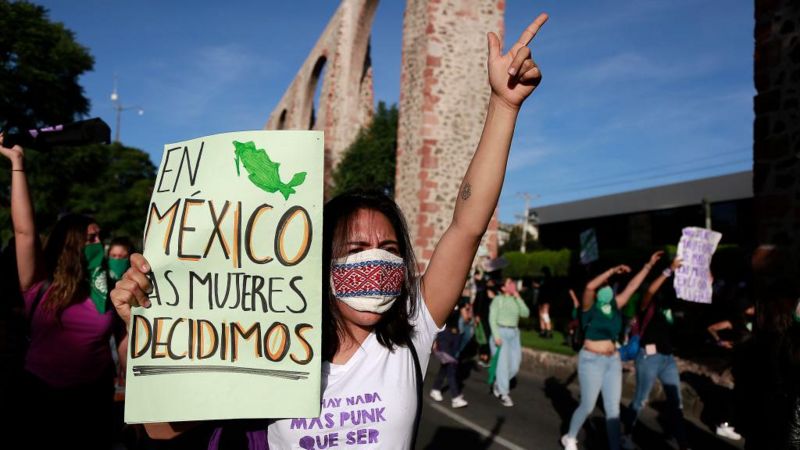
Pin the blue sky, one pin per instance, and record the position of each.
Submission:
(635, 93)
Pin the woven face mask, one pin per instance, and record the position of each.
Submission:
(368, 281)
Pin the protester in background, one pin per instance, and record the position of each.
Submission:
(767, 366)
(599, 365)
(483, 299)
(375, 342)
(573, 327)
(544, 298)
(466, 324)
(729, 334)
(504, 314)
(119, 251)
(69, 370)
(446, 349)
(655, 360)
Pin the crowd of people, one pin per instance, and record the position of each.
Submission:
(75, 340)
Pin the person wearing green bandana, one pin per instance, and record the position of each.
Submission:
(599, 364)
(67, 383)
(119, 253)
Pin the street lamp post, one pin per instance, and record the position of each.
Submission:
(119, 107)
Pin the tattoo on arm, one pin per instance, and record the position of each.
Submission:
(466, 191)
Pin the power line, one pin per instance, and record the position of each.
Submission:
(652, 177)
(649, 169)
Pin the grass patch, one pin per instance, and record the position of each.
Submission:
(531, 339)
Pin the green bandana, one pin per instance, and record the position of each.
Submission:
(668, 316)
(604, 297)
(98, 282)
(117, 267)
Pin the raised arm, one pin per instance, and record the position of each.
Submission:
(633, 285)
(714, 328)
(592, 286)
(574, 298)
(656, 284)
(22, 217)
(513, 76)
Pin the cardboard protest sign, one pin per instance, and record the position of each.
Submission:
(589, 251)
(695, 249)
(233, 330)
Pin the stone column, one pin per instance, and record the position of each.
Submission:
(444, 93)
(776, 131)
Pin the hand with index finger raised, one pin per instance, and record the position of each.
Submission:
(514, 75)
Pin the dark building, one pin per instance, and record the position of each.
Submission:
(653, 217)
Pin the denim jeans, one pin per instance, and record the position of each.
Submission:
(509, 360)
(598, 373)
(662, 367)
(448, 342)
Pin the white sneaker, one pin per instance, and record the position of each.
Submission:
(626, 442)
(436, 395)
(727, 431)
(506, 400)
(495, 391)
(459, 402)
(569, 443)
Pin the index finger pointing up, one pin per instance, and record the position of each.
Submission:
(527, 36)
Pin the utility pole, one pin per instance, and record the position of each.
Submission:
(118, 107)
(707, 212)
(525, 218)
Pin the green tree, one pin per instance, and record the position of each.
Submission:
(514, 241)
(370, 161)
(113, 183)
(40, 63)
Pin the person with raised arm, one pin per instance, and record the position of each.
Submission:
(376, 343)
(599, 364)
(68, 377)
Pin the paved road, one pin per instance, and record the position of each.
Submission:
(540, 415)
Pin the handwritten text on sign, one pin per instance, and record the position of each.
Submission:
(235, 250)
(693, 278)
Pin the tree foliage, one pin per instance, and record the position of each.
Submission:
(113, 183)
(40, 63)
(531, 264)
(370, 161)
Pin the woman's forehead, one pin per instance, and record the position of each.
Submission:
(367, 224)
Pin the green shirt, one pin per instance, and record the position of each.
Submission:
(505, 311)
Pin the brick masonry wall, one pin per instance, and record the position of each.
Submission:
(443, 97)
(776, 131)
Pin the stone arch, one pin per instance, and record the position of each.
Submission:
(316, 83)
(344, 77)
(282, 120)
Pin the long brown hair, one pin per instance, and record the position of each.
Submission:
(65, 263)
(394, 327)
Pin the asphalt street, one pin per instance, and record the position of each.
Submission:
(540, 415)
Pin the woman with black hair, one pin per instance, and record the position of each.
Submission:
(599, 364)
(69, 371)
(371, 340)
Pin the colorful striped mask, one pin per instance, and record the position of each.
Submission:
(368, 281)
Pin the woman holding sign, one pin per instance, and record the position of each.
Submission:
(375, 343)
(68, 384)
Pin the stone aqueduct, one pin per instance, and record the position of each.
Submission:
(443, 98)
(443, 46)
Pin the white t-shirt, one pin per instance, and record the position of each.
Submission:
(367, 403)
